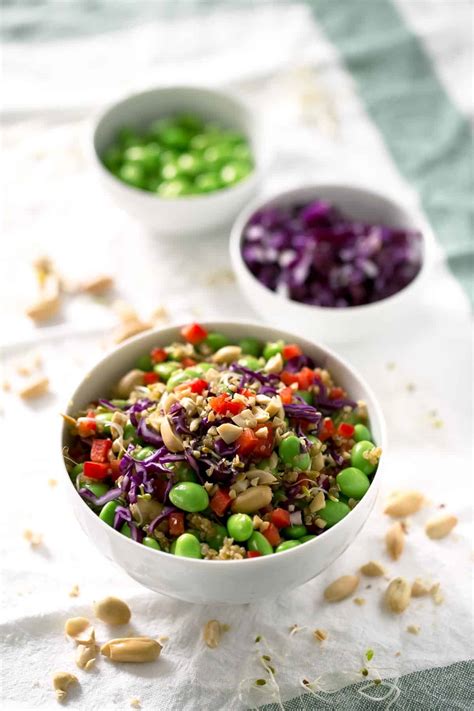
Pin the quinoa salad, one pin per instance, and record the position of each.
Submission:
(222, 450)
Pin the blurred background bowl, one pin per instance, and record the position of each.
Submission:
(222, 581)
(331, 324)
(190, 213)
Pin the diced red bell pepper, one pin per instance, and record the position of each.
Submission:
(345, 429)
(115, 469)
(335, 393)
(286, 395)
(150, 378)
(193, 333)
(96, 470)
(246, 392)
(272, 535)
(327, 429)
(176, 523)
(224, 405)
(264, 445)
(158, 355)
(288, 378)
(86, 427)
(253, 554)
(247, 442)
(100, 449)
(220, 502)
(198, 386)
(280, 518)
(291, 351)
(188, 362)
(305, 378)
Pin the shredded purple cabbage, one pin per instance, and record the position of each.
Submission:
(148, 434)
(122, 515)
(303, 411)
(100, 500)
(138, 406)
(314, 254)
(164, 514)
(109, 405)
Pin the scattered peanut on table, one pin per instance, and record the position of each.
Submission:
(341, 588)
(112, 611)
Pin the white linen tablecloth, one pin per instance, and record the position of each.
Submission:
(420, 370)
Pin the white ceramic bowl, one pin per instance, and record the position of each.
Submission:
(333, 325)
(194, 213)
(206, 581)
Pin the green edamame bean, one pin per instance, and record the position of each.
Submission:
(77, 469)
(107, 512)
(251, 346)
(358, 459)
(187, 546)
(288, 449)
(310, 537)
(302, 461)
(250, 362)
(307, 396)
(194, 533)
(103, 420)
(133, 174)
(207, 183)
(333, 512)
(165, 369)
(189, 496)
(97, 489)
(272, 349)
(362, 433)
(258, 542)
(173, 546)
(125, 530)
(353, 482)
(295, 531)
(181, 376)
(143, 453)
(216, 340)
(286, 545)
(129, 432)
(174, 188)
(151, 543)
(145, 362)
(203, 367)
(216, 538)
(119, 403)
(240, 527)
(183, 472)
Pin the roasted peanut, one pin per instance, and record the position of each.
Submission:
(373, 569)
(112, 610)
(397, 595)
(227, 354)
(171, 440)
(341, 588)
(252, 499)
(61, 682)
(404, 503)
(129, 382)
(395, 540)
(132, 649)
(440, 526)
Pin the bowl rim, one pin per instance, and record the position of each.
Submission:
(236, 238)
(376, 413)
(101, 116)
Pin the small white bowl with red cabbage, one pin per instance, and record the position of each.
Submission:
(331, 260)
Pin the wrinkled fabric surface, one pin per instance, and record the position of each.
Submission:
(318, 129)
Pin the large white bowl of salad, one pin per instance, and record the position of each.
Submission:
(222, 462)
